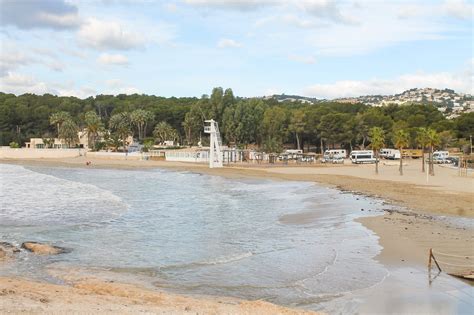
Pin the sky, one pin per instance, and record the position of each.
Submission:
(317, 48)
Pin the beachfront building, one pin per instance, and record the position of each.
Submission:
(56, 143)
(46, 143)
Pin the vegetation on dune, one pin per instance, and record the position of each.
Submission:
(265, 123)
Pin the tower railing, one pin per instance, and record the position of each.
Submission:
(215, 152)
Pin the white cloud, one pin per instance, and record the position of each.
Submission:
(290, 20)
(117, 86)
(171, 7)
(13, 57)
(10, 60)
(228, 43)
(55, 65)
(113, 83)
(241, 5)
(458, 9)
(83, 92)
(326, 9)
(57, 14)
(124, 34)
(352, 88)
(109, 35)
(113, 59)
(414, 10)
(377, 30)
(309, 60)
(19, 84)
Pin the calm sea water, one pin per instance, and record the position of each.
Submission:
(291, 243)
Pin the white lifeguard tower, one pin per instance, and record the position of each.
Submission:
(215, 153)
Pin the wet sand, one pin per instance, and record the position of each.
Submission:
(406, 235)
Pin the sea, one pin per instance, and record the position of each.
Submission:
(291, 243)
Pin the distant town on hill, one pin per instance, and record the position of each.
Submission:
(450, 103)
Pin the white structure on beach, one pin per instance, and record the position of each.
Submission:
(215, 152)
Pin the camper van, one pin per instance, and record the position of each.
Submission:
(359, 157)
(334, 156)
(292, 154)
(331, 154)
(440, 156)
(391, 154)
(384, 152)
(394, 155)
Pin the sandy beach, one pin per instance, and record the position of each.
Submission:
(405, 234)
(86, 296)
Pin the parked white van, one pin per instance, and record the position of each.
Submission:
(359, 157)
(384, 152)
(394, 155)
(440, 157)
(440, 154)
(335, 154)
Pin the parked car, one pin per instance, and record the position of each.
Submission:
(452, 160)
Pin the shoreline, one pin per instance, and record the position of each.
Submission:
(419, 203)
(405, 236)
(435, 197)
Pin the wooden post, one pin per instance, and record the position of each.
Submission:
(433, 257)
(429, 258)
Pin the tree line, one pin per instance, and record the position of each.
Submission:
(258, 122)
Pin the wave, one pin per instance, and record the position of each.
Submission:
(29, 198)
(213, 261)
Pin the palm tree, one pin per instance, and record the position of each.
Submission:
(422, 139)
(122, 126)
(189, 124)
(140, 118)
(164, 132)
(68, 132)
(58, 119)
(93, 126)
(433, 140)
(401, 139)
(377, 138)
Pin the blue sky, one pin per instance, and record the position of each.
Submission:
(319, 48)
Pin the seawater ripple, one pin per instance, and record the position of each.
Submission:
(28, 198)
(285, 242)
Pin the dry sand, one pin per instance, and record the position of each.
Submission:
(405, 236)
(93, 296)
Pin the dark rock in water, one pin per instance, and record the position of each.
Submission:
(44, 249)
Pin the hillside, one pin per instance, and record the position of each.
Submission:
(449, 102)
